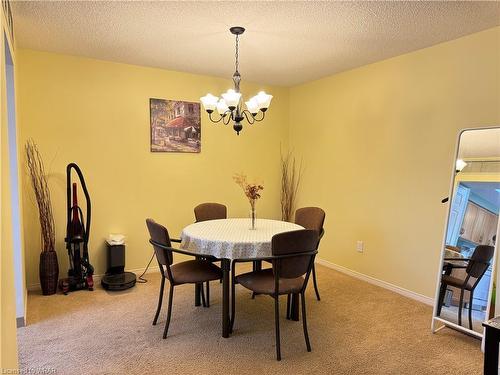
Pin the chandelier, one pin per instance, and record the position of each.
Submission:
(229, 106)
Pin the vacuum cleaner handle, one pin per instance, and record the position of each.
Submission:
(87, 198)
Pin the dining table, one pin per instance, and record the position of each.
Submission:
(234, 239)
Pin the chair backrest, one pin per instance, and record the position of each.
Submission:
(480, 261)
(310, 218)
(159, 233)
(298, 241)
(210, 211)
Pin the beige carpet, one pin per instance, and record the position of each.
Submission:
(357, 328)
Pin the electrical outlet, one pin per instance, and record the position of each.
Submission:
(360, 246)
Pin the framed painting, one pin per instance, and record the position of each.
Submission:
(175, 126)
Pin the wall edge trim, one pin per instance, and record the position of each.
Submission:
(372, 280)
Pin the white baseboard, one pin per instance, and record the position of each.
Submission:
(374, 281)
(97, 278)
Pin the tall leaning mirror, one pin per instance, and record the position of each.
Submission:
(466, 290)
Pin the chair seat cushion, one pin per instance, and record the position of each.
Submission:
(195, 271)
(456, 282)
(262, 282)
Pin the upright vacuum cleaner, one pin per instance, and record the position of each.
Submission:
(80, 273)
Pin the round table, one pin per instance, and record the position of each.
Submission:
(233, 238)
(229, 239)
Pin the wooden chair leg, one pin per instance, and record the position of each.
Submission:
(208, 293)
(304, 320)
(288, 306)
(471, 296)
(160, 301)
(277, 324)
(233, 302)
(315, 283)
(442, 293)
(169, 312)
(461, 303)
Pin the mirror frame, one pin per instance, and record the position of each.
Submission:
(435, 318)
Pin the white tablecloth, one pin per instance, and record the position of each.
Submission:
(233, 238)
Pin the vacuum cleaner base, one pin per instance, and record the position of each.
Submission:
(120, 281)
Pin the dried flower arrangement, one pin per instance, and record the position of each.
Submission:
(290, 181)
(251, 190)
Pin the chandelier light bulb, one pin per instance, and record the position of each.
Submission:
(232, 98)
(222, 107)
(263, 99)
(253, 106)
(209, 102)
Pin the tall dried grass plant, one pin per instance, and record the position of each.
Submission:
(291, 174)
(42, 195)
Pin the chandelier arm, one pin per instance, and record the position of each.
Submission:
(261, 118)
(249, 117)
(227, 118)
(216, 121)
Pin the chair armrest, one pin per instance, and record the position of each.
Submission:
(456, 266)
(175, 240)
(276, 257)
(457, 259)
(161, 246)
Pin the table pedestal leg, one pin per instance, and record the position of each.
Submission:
(197, 294)
(257, 265)
(294, 309)
(226, 266)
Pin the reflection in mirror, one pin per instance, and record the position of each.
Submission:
(466, 288)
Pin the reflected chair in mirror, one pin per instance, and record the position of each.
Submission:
(196, 271)
(312, 218)
(205, 212)
(292, 260)
(475, 268)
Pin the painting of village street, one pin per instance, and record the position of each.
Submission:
(175, 126)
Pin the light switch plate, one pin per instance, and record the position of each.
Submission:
(360, 246)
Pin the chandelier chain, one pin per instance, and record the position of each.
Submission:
(236, 55)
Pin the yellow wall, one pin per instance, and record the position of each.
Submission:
(96, 114)
(378, 146)
(8, 343)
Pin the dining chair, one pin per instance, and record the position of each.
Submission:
(475, 268)
(210, 211)
(195, 271)
(292, 259)
(312, 218)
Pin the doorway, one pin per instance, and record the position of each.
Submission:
(19, 282)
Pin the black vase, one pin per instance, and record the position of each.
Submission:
(49, 272)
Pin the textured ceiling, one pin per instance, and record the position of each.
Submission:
(286, 43)
(483, 143)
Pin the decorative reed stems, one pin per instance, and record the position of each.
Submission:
(42, 195)
(290, 181)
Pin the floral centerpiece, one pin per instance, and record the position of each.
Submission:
(252, 192)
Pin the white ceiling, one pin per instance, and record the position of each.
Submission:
(286, 43)
(480, 143)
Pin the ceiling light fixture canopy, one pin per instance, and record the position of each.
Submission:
(229, 107)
